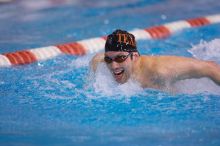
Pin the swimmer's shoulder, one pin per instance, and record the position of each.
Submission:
(98, 58)
(147, 62)
(163, 58)
(145, 59)
(157, 62)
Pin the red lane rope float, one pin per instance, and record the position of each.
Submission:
(158, 32)
(21, 57)
(93, 45)
(72, 49)
(198, 22)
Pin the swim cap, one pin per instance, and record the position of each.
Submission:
(120, 40)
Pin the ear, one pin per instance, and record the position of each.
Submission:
(135, 56)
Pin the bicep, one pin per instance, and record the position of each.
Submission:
(186, 68)
(199, 69)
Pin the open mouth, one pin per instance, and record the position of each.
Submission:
(118, 74)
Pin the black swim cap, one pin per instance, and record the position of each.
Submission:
(120, 40)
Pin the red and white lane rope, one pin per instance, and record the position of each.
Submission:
(97, 44)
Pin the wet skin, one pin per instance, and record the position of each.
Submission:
(157, 71)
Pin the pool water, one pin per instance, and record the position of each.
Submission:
(61, 102)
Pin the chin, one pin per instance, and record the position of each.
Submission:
(122, 81)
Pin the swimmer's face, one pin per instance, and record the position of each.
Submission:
(120, 65)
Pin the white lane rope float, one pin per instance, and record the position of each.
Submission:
(93, 45)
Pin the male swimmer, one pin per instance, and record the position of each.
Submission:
(124, 61)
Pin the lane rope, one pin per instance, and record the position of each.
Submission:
(93, 45)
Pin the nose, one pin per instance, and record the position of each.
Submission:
(114, 65)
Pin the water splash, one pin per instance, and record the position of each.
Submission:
(103, 83)
(196, 86)
(207, 50)
(82, 61)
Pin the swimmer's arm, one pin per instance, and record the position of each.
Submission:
(98, 58)
(211, 70)
(187, 68)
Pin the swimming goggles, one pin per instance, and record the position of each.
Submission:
(118, 59)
